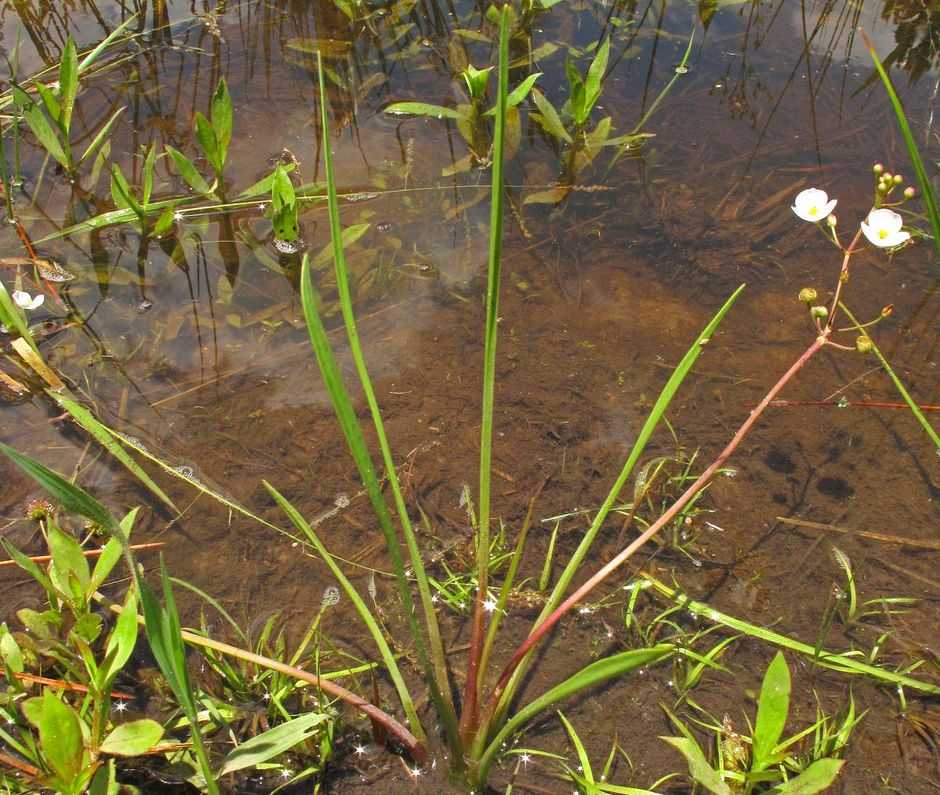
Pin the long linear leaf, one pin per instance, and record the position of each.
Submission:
(273, 742)
(594, 674)
(96, 428)
(424, 109)
(927, 194)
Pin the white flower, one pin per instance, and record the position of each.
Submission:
(24, 301)
(813, 205)
(883, 228)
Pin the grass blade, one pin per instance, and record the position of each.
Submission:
(594, 674)
(928, 196)
(388, 658)
(898, 384)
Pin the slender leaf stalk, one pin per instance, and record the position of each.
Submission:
(649, 426)
(902, 390)
(605, 571)
(470, 714)
(928, 195)
(436, 667)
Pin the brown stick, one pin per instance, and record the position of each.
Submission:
(88, 553)
(889, 539)
(418, 752)
(60, 684)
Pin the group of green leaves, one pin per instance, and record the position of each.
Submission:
(766, 761)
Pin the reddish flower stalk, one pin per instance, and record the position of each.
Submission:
(602, 574)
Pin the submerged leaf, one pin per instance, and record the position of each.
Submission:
(272, 743)
(424, 109)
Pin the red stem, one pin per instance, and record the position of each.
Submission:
(602, 574)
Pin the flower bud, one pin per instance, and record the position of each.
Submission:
(898, 179)
(807, 295)
(909, 193)
(39, 509)
(887, 310)
(878, 169)
(819, 311)
(887, 177)
(863, 345)
(831, 220)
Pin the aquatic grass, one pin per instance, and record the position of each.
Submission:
(927, 192)
(843, 662)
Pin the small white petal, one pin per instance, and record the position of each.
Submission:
(813, 205)
(22, 299)
(882, 228)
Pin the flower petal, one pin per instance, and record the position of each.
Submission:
(813, 205)
(37, 301)
(22, 299)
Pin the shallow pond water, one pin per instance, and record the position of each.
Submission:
(194, 343)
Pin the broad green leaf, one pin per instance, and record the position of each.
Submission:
(272, 743)
(164, 222)
(575, 105)
(133, 738)
(282, 189)
(69, 569)
(120, 643)
(100, 138)
(68, 84)
(122, 195)
(548, 196)
(209, 143)
(595, 76)
(549, 118)
(699, 769)
(40, 126)
(518, 94)
(10, 651)
(71, 497)
(772, 708)
(32, 569)
(263, 186)
(222, 119)
(818, 777)
(350, 235)
(110, 555)
(188, 171)
(424, 109)
(51, 103)
(60, 737)
(94, 426)
(105, 780)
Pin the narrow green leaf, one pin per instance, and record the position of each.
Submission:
(60, 737)
(593, 674)
(149, 161)
(188, 172)
(222, 120)
(100, 137)
(773, 705)
(350, 235)
(163, 224)
(40, 126)
(10, 651)
(122, 194)
(518, 94)
(11, 316)
(68, 84)
(120, 643)
(32, 569)
(424, 109)
(94, 426)
(71, 497)
(69, 569)
(818, 777)
(583, 758)
(93, 54)
(273, 742)
(549, 118)
(595, 76)
(51, 103)
(263, 186)
(209, 143)
(699, 769)
(105, 780)
(133, 738)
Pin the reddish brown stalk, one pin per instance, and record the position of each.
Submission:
(540, 631)
(851, 404)
(60, 684)
(88, 553)
(18, 764)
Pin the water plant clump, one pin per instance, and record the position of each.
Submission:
(272, 704)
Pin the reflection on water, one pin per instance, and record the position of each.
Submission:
(194, 343)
